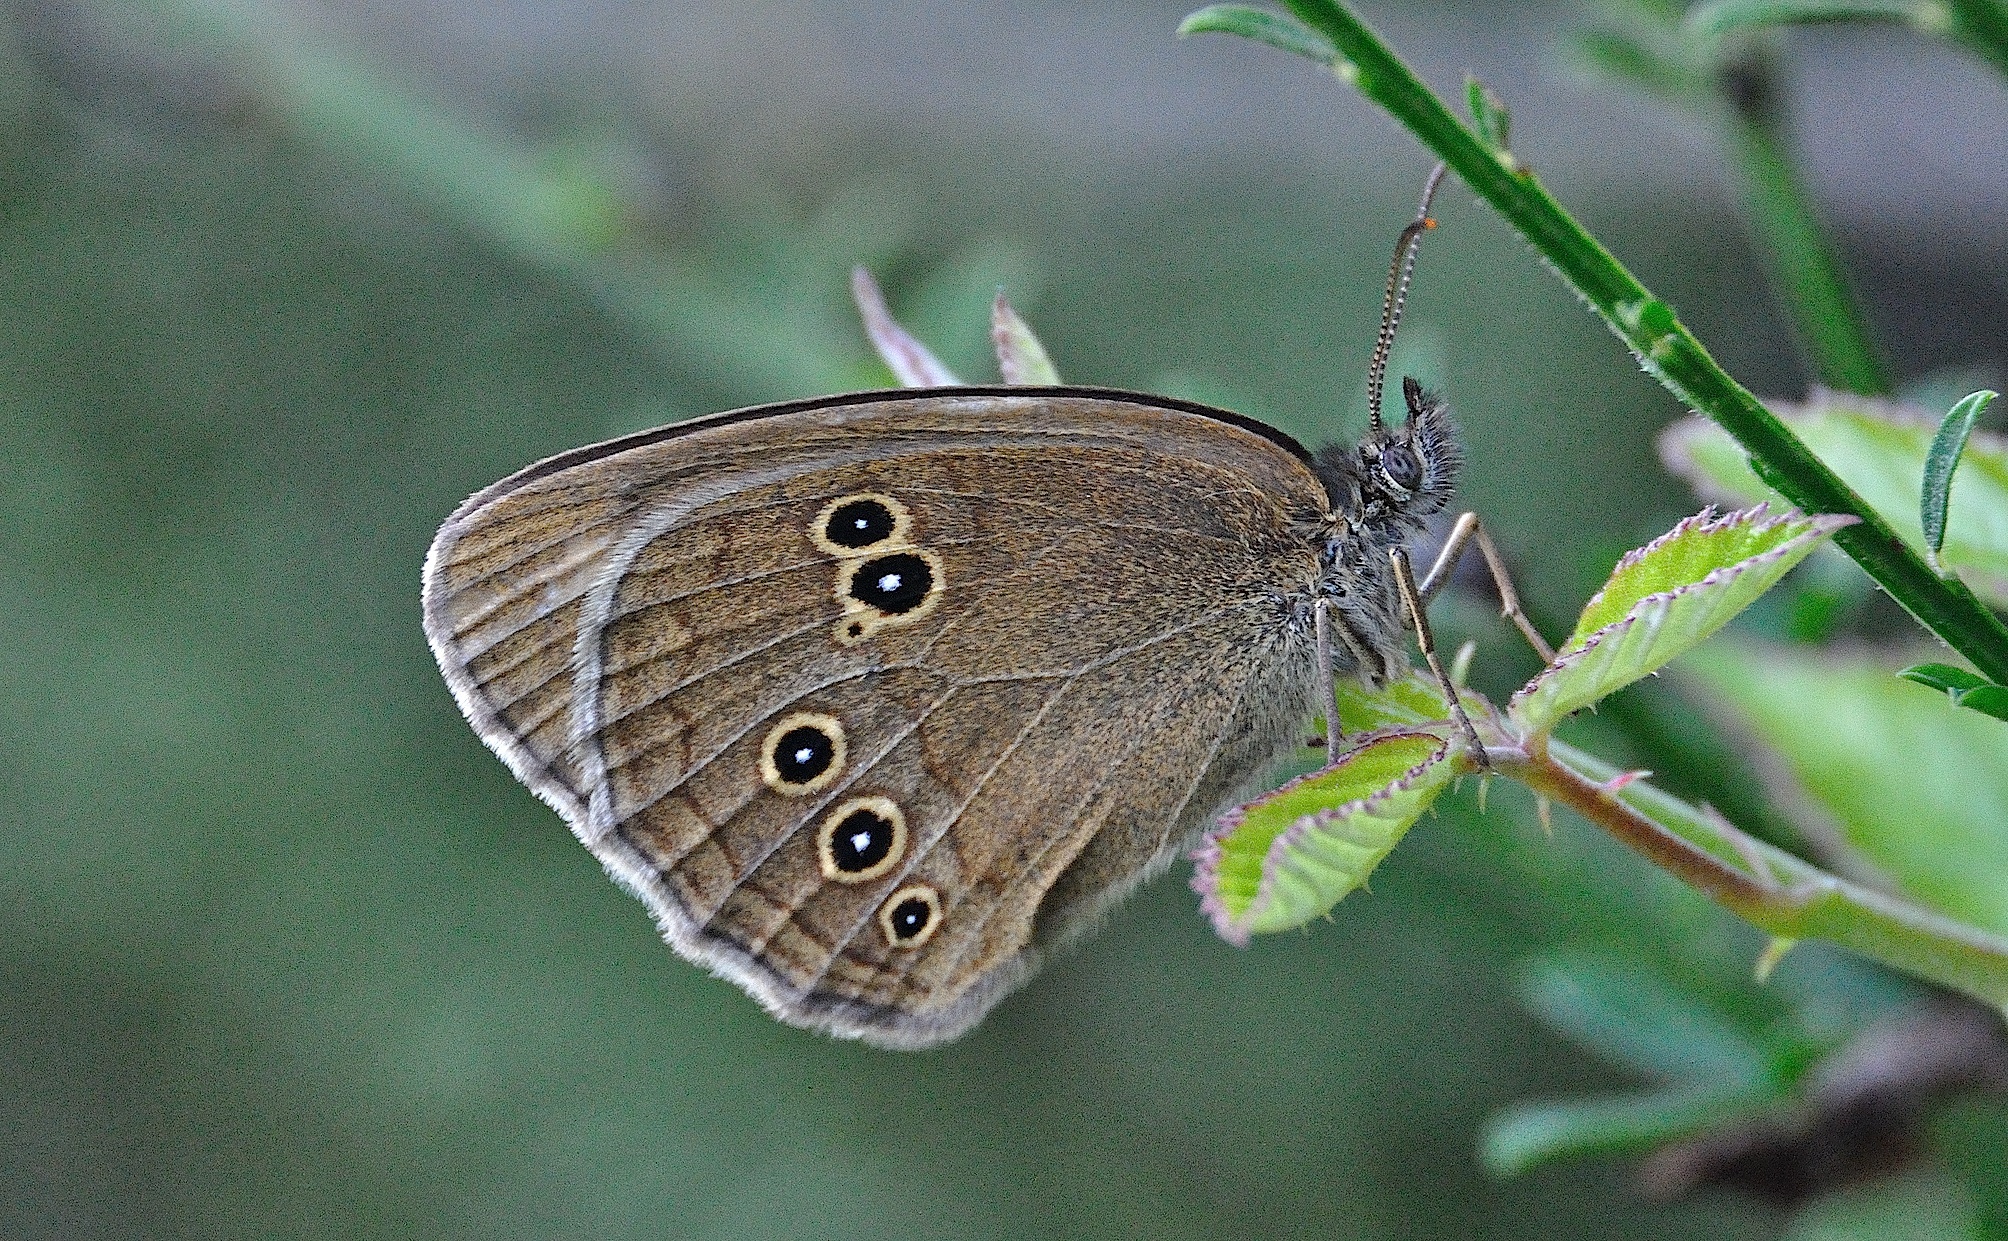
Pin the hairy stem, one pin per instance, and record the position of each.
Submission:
(1662, 344)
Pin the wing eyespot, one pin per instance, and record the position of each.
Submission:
(911, 916)
(882, 591)
(802, 754)
(861, 522)
(861, 840)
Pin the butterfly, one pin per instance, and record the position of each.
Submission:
(874, 699)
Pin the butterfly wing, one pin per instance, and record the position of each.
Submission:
(871, 699)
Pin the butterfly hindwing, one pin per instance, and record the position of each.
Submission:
(870, 699)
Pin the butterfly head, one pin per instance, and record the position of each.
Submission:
(1398, 476)
(1413, 468)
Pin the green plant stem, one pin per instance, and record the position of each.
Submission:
(1767, 887)
(1806, 268)
(1663, 345)
(1982, 25)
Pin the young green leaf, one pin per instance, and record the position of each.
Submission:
(1288, 857)
(1941, 460)
(1399, 706)
(912, 363)
(1880, 450)
(1966, 689)
(1262, 26)
(1662, 600)
(1489, 115)
(1915, 789)
(1021, 359)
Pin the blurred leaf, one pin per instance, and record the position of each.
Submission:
(1664, 599)
(1918, 789)
(1021, 359)
(1879, 449)
(1920, 1207)
(1526, 1136)
(911, 362)
(1966, 689)
(1263, 26)
(1942, 461)
(1634, 1016)
(1721, 17)
(1971, 1137)
(1627, 61)
(1289, 856)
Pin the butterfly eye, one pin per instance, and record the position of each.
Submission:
(802, 754)
(1399, 467)
(910, 916)
(861, 840)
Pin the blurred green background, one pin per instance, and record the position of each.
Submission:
(286, 952)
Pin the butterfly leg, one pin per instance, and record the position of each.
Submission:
(1404, 578)
(1328, 690)
(1470, 529)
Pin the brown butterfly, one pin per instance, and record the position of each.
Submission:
(874, 698)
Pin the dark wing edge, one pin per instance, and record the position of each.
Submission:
(656, 435)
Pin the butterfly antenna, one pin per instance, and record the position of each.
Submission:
(1397, 293)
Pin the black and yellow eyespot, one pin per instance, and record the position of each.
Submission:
(802, 753)
(885, 590)
(854, 524)
(910, 916)
(895, 584)
(861, 840)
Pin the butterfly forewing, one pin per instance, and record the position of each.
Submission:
(871, 698)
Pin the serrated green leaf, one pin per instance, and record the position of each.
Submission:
(1291, 855)
(1913, 787)
(1720, 17)
(1941, 461)
(1879, 450)
(1409, 703)
(1522, 1138)
(1663, 600)
(1263, 26)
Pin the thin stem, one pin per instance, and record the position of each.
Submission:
(1663, 345)
(1773, 890)
(1806, 269)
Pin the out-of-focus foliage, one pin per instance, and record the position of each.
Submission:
(1881, 451)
